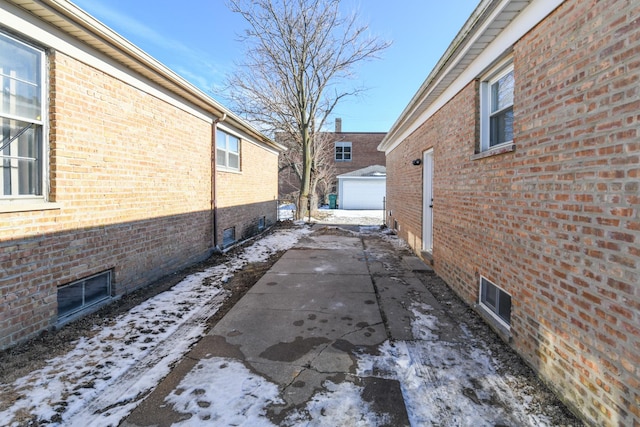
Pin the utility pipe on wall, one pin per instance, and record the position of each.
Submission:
(214, 201)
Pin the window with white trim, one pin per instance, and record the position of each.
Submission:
(496, 108)
(496, 301)
(22, 151)
(343, 151)
(227, 150)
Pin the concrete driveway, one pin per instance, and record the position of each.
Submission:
(343, 331)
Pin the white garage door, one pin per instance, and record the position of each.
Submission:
(363, 193)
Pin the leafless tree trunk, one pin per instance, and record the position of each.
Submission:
(297, 55)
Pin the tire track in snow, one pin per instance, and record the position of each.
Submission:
(122, 396)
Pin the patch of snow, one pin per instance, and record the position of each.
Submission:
(243, 400)
(125, 359)
(346, 216)
(445, 385)
(247, 395)
(423, 325)
(341, 405)
(286, 212)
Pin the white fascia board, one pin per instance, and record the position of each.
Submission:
(245, 137)
(31, 28)
(370, 178)
(519, 26)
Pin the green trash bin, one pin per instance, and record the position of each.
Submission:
(333, 198)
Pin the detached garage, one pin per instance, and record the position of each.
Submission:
(363, 188)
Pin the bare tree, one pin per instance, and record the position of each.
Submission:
(298, 54)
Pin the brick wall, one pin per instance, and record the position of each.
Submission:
(364, 150)
(364, 146)
(556, 223)
(244, 197)
(132, 175)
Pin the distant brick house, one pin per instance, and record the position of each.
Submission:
(350, 151)
(515, 170)
(114, 171)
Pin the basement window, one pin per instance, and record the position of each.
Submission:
(228, 237)
(496, 301)
(83, 294)
(262, 223)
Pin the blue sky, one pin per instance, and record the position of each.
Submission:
(198, 39)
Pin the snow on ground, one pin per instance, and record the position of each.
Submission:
(344, 216)
(443, 383)
(336, 216)
(121, 362)
(247, 395)
(286, 212)
(342, 404)
(243, 402)
(446, 384)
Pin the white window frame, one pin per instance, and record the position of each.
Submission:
(223, 153)
(486, 82)
(343, 145)
(493, 311)
(9, 153)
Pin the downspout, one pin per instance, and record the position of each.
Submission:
(214, 180)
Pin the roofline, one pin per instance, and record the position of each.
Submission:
(374, 168)
(361, 177)
(356, 133)
(486, 23)
(62, 14)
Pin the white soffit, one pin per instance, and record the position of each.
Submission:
(494, 27)
(80, 25)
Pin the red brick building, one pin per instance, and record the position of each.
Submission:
(350, 151)
(515, 170)
(114, 171)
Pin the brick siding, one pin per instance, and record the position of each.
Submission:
(364, 146)
(244, 197)
(556, 223)
(131, 176)
(364, 151)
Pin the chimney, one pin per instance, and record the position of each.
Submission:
(338, 125)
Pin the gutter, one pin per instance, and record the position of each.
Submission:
(214, 180)
(464, 35)
(70, 18)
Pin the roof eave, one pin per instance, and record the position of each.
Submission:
(71, 19)
(477, 24)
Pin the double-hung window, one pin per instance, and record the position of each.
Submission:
(227, 150)
(496, 108)
(22, 160)
(343, 152)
